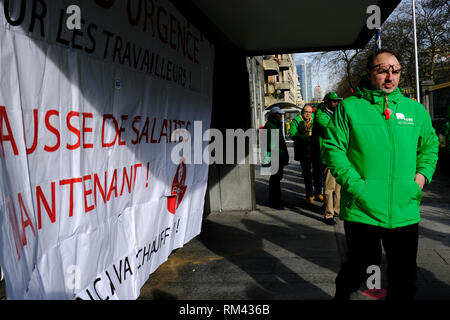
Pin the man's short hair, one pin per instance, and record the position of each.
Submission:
(371, 58)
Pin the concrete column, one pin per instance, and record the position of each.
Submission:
(231, 186)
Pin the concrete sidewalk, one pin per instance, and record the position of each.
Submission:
(291, 253)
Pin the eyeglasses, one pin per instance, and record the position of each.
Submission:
(384, 68)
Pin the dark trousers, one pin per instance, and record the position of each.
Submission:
(364, 249)
(312, 170)
(275, 186)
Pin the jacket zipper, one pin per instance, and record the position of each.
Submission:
(391, 189)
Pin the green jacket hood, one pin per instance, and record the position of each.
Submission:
(295, 124)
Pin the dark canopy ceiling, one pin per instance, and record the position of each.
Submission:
(286, 26)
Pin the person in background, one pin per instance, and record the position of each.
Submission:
(332, 190)
(274, 122)
(301, 132)
(444, 152)
(382, 149)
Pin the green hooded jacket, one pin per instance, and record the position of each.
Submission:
(303, 143)
(323, 117)
(375, 159)
(297, 130)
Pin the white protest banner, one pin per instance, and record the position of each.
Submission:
(90, 93)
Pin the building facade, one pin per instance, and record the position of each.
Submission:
(272, 79)
(255, 67)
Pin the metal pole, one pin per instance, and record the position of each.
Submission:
(415, 52)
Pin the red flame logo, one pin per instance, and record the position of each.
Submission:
(178, 188)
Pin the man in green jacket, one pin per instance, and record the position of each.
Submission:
(301, 131)
(381, 148)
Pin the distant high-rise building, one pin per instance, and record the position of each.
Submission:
(304, 73)
(309, 80)
(318, 93)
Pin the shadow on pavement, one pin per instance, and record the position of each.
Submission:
(162, 295)
(431, 288)
(245, 250)
(294, 243)
(440, 236)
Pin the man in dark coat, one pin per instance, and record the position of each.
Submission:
(274, 122)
